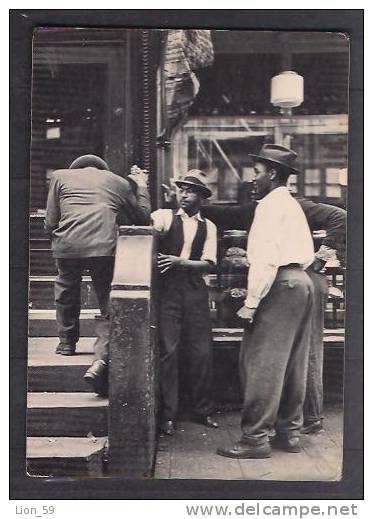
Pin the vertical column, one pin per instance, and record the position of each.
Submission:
(133, 359)
(150, 57)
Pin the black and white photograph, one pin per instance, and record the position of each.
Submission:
(187, 254)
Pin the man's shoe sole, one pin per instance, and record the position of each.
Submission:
(292, 450)
(312, 429)
(243, 455)
(283, 446)
(60, 350)
(96, 384)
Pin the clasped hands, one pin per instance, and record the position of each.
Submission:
(139, 176)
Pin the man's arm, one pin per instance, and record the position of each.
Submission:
(141, 204)
(161, 222)
(326, 217)
(230, 217)
(263, 251)
(264, 260)
(135, 205)
(167, 262)
(319, 216)
(208, 259)
(225, 217)
(52, 216)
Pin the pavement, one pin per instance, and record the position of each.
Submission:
(191, 453)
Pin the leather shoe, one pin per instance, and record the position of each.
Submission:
(97, 377)
(65, 349)
(286, 443)
(168, 427)
(242, 450)
(313, 427)
(207, 421)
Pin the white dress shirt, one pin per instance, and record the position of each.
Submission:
(162, 219)
(279, 235)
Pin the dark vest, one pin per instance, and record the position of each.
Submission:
(172, 243)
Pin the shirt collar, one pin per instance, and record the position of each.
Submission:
(183, 214)
(279, 191)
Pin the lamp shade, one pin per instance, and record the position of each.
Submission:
(287, 89)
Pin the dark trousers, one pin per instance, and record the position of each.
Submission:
(67, 298)
(274, 359)
(313, 404)
(185, 323)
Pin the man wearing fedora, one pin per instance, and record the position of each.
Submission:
(277, 312)
(188, 250)
(319, 216)
(85, 204)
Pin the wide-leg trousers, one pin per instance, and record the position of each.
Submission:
(313, 404)
(274, 359)
(67, 299)
(185, 323)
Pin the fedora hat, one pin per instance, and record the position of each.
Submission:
(89, 161)
(195, 178)
(275, 154)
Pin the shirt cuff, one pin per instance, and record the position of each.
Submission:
(325, 253)
(209, 259)
(252, 301)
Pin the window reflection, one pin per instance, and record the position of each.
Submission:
(220, 147)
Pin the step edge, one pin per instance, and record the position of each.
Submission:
(44, 442)
(97, 402)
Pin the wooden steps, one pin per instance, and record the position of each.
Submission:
(48, 371)
(66, 423)
(42, 323)
(66, 414)
(41, 293)
(65, 457)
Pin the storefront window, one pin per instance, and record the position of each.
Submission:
(333, 186)
(232, 114)
(220, 146)
(312, 182)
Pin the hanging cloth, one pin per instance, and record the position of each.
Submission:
(185, 51)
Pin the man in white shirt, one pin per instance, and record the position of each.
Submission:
(277, 312)
(188, 248)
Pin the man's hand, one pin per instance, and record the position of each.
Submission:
(139, 176)
(247, 314)
(167, 262)
(169, 194)
(318, 265)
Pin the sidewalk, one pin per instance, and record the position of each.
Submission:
(190, 453)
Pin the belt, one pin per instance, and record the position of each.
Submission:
(291, 266)
(290, 271)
